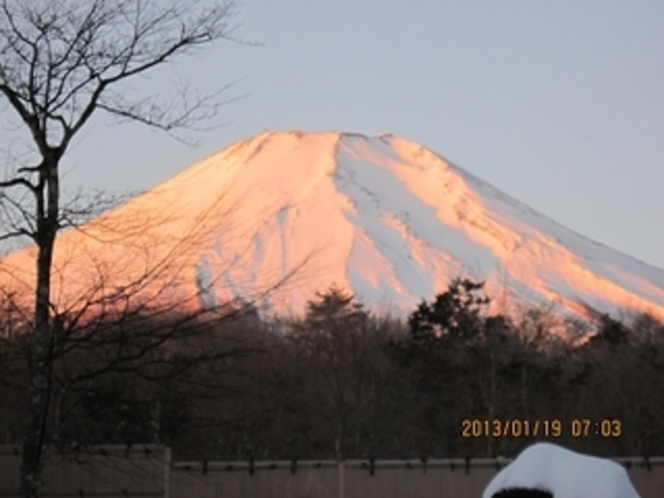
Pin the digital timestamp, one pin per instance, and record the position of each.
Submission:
(516, 428)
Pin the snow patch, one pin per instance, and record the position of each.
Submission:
(205, 284)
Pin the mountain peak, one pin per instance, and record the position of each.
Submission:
(381, 216)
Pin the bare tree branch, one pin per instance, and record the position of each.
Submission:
(60, 61)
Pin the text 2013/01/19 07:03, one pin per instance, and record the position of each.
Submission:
(578, 427)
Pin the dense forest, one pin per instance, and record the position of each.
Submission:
(341, 382)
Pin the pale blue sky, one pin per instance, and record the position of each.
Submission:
(558, 103)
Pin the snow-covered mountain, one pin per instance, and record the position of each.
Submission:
(382, 216)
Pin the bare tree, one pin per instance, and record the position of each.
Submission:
(60, 62)
(347, 381)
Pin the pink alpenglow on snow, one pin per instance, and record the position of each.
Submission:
(564, 474)
(383, 217)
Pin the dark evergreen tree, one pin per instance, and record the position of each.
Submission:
(612, 331)
(455, 313)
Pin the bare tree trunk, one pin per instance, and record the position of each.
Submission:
(34, 443)
(58, 61)
(491, 413)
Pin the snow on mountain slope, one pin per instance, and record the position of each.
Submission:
(382, 216)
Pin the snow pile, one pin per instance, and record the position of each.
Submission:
(563, 473)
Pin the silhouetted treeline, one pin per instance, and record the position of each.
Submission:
(452, 381)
